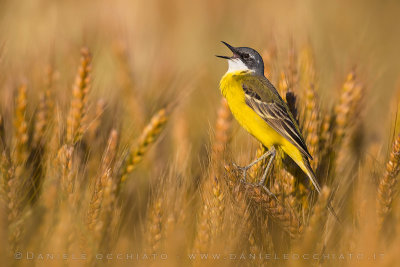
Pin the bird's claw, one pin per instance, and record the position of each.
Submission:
(263, 187)
(243, 169)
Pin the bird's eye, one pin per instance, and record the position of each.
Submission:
(246, 56)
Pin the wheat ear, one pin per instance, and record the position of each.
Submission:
(21, 127)
(148, 137)
(311, 111)
(64, 158)
(11, 187)
(79, 99)
(203, 231)
(44, 112)
(347, 106)
(103, 196)
(155, 225)
(259, 197)
(283, 86)
(387, 184)
(209, 225)
(222, 130)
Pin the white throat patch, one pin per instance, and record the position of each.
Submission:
(236, 64)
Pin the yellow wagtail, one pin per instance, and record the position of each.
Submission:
(258, 107)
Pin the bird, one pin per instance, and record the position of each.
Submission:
(261, 111)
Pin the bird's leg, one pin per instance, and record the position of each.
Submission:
(246, 168)
(271, 159)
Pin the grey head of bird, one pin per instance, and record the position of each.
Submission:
(244, 59)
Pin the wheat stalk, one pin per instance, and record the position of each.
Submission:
(217, 211)
(79, 99)
(247, 215)
(155, 226)
(222, 128)
(280, 214)
(40, 136)
(325, 136)
(64, 158)
(292, 192)
(21, 127)
(347, 107)
(222, 131)
(11, 189)
(311, 124)
(312, 121)
(387, 184)
(203, 230)
(283, 87)
(14, 169)
(149, 136)
(96, 200)
(310, 114)
(103, 196)
(44, 112)
(40, 122)
(210, 223)
(258, 196)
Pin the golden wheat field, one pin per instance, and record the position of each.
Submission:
(117, 148)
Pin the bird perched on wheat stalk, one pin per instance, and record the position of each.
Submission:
(260, 110)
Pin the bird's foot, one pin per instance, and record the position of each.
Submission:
(259, 185)
(244, 170)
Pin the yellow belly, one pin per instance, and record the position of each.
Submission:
(231, 89)
(254, 124)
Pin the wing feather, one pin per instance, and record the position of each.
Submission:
(277, 116)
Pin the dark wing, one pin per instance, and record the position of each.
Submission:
(276, 114)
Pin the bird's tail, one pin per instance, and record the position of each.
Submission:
(310, 173)
(305, 166)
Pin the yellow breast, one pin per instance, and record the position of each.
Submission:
(231, 89)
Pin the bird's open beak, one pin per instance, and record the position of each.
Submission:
(233, 49)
